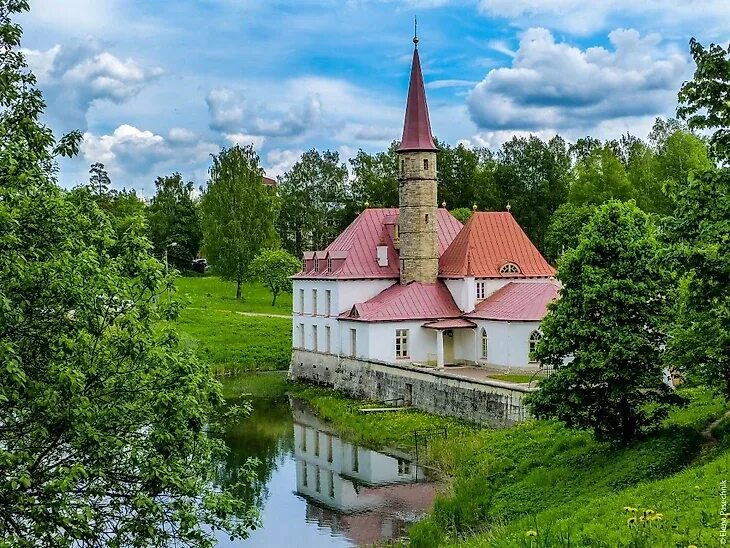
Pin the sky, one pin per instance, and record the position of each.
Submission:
(158, 86)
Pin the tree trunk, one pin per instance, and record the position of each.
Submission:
(273, 302)
(238, 289)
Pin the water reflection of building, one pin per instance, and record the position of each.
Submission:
(361, 494)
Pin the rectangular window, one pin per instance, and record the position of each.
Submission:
(327, 339)
(314, 302)
(401, 343)
(304, 474)
(316, 264)
(315, 346)
(485, 345)
(481, 290)
(329, 264)
(316, 443)
(355, 459)
(404, 467)
(304, 439)
(317, 480)
(301, 301)
(328, 303)
(302, 342)
(425, 163)
(353, 342)
(329, 448)
(332, 484)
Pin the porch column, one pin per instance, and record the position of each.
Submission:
(439, 348)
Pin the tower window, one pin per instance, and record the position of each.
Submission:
(425, 163)
(402, 166)
(426, 219)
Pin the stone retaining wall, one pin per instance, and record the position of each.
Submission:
(435, 391)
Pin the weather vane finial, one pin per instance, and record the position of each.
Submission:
(415, 30)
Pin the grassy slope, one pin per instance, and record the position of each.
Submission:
(231, 341)
(541, 476)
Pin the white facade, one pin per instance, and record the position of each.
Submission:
(317, 327)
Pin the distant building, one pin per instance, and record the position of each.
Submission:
(268, 181)
(413, 285)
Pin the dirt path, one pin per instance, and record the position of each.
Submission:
(709, 432)
(259, 314)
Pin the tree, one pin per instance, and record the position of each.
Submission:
(563, 232)
(608, 320)
(173, 217)
(314, 202)
(103, 418)
(533, 177)
(458, 174)
(375, 178)
(237, 213)
(600, 177)
(99, 181)
(704, 99)
(698, 244)
(462, 214)
(274, 268)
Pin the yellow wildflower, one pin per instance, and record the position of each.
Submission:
(648, 512)
(531, 534)
(631, 521)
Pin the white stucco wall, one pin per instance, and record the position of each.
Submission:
(508, 342)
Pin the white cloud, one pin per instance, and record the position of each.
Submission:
(585, 17)
(129, 151)
(556, 85)
(439, 84)
(243, 139)
(73, 76)
(279, 161)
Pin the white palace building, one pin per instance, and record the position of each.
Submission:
(413, 286)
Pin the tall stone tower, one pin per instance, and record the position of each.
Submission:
(417, 186)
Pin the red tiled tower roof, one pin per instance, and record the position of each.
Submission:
(355, 249)
(413, 301)
(489, 241)
(416, 127)
(517, 301)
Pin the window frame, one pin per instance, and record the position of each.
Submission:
(532, 341)
(301, 301)
(327, 339)
(401, 344)
(481, 288)
(314, 302)
(315, 338)
(510, 269)
(327, 302)
(353, 342)
(484, 345)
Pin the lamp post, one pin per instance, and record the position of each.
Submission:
(168, 246)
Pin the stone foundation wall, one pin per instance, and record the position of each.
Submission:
(439, 392)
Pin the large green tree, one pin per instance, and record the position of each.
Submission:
(274, 268)
(704, 100)
(103, 418)
(599, 177)
(563, 232)
(375, 178)
(698, 241)
(174, 221)
(315, 203)
(238, 213)
(608, 321)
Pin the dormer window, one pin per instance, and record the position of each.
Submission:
(304, 265)
(329, 264)
(316, 264)
(509, 268)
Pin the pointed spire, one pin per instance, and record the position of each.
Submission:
(417, 127)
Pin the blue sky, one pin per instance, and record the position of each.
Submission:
(157, 86)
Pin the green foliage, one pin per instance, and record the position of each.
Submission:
(462, 214)
(99, 181)
(600, 177)
(563, 232)
(315, 205)
(102, 436)
(698, 240)
(703, 100)
(274, 268)
(460, 172)
(173, 218)
(237, 213)
(562, 483)
(375, 178)
(533, 177)
(608, 320)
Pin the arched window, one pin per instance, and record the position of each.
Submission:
(485, 344)
(535, 337)
(509, 268)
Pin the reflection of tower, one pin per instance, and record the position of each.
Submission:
(417, 186)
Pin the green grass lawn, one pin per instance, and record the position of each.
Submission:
(232, 342)
(510, 377)
(213, 293)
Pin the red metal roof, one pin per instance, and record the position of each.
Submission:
(414, 301)
(488, 241)
(517, 301)
(358, 242)
(456, 323)
(416, 127)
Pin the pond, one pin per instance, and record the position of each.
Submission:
(315, 488)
